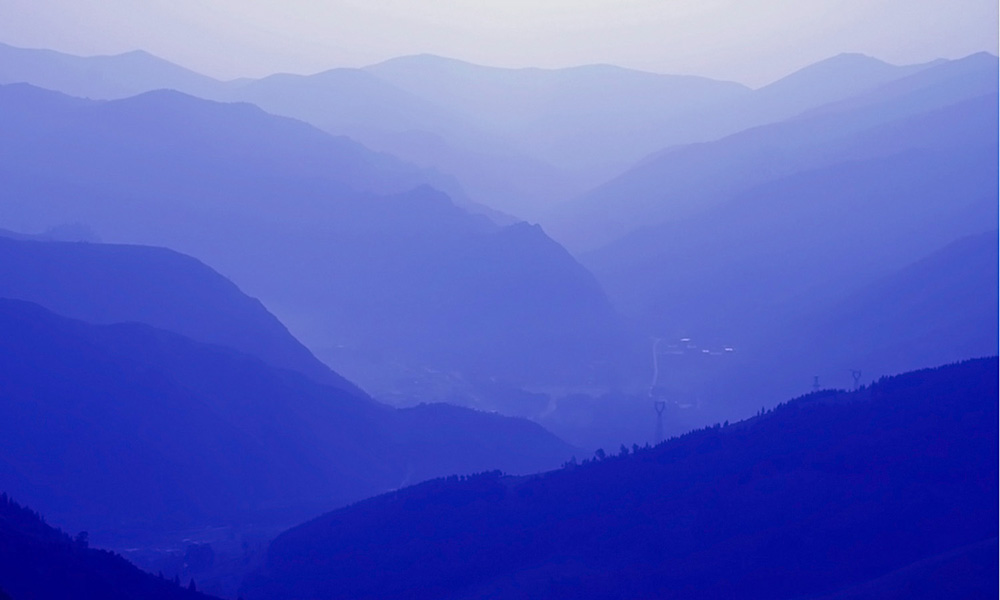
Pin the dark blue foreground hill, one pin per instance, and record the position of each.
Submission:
(832, 494)
(130, 429)
(38, 562)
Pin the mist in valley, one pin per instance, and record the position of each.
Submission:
(445, 321)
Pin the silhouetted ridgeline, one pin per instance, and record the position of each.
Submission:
(711, 240)
(918, 112)
(97, 76)
(128, 429)
(832, 493)
(933, 311)
(519, 140)
(777, 241)
(370, 267)
(109, 283)
(936, 310)
(38, 562)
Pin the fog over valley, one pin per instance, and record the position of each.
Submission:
(458, 316)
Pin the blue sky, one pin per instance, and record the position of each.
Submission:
(752, 41)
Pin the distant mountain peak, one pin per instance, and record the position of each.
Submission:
(424, 59)
(846, 64)
(852, 57)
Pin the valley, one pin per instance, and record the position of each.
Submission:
(425, 327)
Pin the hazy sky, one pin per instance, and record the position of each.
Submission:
(753, 41)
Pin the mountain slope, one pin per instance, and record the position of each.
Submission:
(517, 140)
(780, 245)
(134, 430)
(340, 101)
(346, 247)
(596, 120)
(38, 562)
(106, 283)
(755, 266)
(581, 118)
(603, 117)
(98, 77)
(163, 122)
(679, 182)
(755, 238)
(349, 101)
(834, 79)
(821, 494)
(940, 308)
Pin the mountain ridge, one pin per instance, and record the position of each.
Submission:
(105, 283)
(340, 243)
(867, 481)
(522, 123)
(129, 431)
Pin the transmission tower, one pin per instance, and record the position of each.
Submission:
(815, 383)
(659, 406)
(856, 374)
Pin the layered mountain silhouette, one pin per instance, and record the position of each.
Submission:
(39, 562)
(518, 140)
(749, 241)
(333, 238)
(834, 79)
(814, 288)
(906, 114)
(108, 283)
(129, 429)
(650, 235)
(655, 232)
(834, 494)
(98, 77)
(588, 117)
(787, 237)
(939, 308)
(731, 247)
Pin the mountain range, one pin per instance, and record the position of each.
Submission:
(380, 275)
(229, 307)
(889, 491)
(129, 429)
(747, 242)
(940, 308)
(838, 151)
(517, 140)
(109, 283)
(908, 113)
(182, 408)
